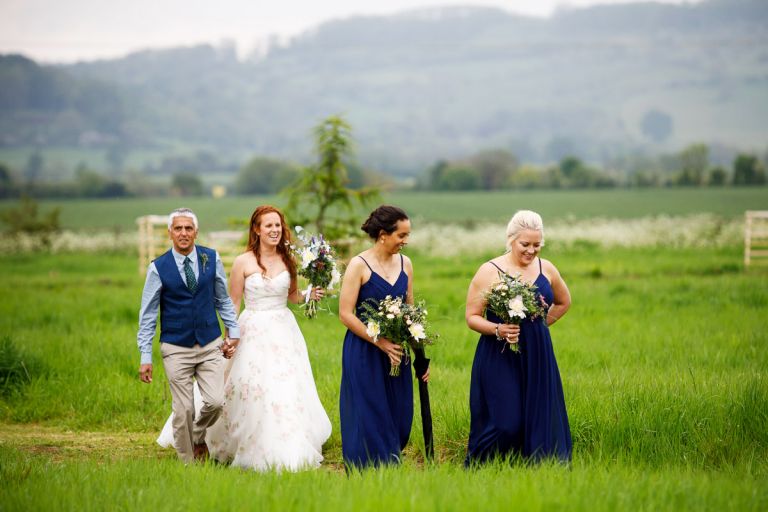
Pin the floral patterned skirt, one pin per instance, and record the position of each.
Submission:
(272, 416)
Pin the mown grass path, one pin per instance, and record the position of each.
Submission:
(62, 445)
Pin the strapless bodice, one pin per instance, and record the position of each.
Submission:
(264, 293)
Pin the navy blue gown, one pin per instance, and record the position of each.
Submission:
(516, 399)
(376, 410)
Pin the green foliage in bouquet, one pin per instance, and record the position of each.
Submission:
(399, 322)
(317, 263)
(513, 300)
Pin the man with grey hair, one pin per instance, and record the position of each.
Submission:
(188, 285)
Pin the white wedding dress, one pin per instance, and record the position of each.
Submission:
(272, 416)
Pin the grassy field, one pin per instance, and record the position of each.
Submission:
(464, 207)
(662, 358)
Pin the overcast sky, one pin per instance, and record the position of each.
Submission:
(69, 30)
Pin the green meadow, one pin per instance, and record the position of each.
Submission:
(662, 357)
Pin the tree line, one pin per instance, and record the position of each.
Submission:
(319, 194)
(500, 169)
(494, 169)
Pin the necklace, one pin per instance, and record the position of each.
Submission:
(381, 266)
(268, 262)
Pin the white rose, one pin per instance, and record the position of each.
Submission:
(307, 257)
(417, 331)
(335, 277)
(373, 329)
(390, 316)
(516, 307)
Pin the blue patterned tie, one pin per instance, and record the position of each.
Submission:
(191, 281)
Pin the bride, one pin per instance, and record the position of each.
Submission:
(272, 416)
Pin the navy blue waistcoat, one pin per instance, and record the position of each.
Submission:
(187, 318)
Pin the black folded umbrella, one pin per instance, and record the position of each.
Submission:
(420, 365)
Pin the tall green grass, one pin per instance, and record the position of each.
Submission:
(33, 482)
(662, 358)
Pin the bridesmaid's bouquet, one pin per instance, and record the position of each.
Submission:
(317, 263)
(513, 300)
(400, 322)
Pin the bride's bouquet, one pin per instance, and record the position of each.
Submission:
(399, 322)
(317, 263)
(512, 300)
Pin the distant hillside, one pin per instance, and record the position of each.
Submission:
(424, 85)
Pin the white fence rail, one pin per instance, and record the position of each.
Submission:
(153, 241)
(756, 237)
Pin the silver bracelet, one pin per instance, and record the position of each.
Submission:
(497, 333)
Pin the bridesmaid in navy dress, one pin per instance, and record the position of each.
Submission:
(376, 410)
(516, 398)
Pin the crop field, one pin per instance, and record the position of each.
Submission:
(464, 208)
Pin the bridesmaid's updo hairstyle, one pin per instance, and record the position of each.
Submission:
(384, 218)
(521, 221)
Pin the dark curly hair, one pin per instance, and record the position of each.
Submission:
(384, 218)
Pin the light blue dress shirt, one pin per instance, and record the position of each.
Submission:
(150, 301)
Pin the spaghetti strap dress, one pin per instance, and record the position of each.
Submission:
(376, 410)
(516, 398)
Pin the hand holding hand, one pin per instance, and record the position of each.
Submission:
(229, 347)
(145, 373)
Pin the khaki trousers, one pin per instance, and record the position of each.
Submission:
(206, 365)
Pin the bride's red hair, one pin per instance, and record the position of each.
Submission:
(283, 248)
